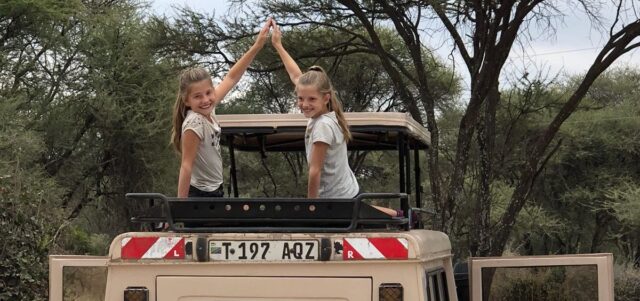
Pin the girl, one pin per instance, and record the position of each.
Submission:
(196, 133)
(327, 132)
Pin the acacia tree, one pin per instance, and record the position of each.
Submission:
(621, 41)
(593, 176)
(81, 88)
(483, 33)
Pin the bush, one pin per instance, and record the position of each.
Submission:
(627, 283)
(544, 283)
(30, 215)
(78, 241)
(24, 262)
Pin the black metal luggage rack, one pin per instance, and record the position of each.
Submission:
(288, 215)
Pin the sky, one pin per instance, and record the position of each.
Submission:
(571, 51)
(205, 6)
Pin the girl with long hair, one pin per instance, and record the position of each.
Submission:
(327, 131)
(196, 133)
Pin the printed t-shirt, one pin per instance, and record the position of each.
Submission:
(336, 178)
(206, 173)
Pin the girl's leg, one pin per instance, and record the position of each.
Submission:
(389, 211)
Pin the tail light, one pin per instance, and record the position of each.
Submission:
(136, 293)
(391, 292)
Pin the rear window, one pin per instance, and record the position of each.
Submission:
(436, 288)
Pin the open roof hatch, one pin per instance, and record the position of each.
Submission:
(370, 131)
(285, 133)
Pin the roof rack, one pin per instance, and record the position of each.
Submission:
(287, 215)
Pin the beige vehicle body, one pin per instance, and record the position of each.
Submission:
(336, 278)
(296, 249)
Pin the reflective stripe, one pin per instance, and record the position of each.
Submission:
(364, 248)
(152, 248)
(162, 247)
(375, 248)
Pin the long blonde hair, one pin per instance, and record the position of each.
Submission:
(317, 77)
(185, 80)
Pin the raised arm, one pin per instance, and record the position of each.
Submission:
(238, 69)
(287, 60)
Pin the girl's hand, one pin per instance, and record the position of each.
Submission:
(262, 37)
(235, 73)
(289, 64)
(276, 35)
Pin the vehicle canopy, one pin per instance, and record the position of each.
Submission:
(285, 132)
(370, 131)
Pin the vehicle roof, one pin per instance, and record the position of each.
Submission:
(285, 132)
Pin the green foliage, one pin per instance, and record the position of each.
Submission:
(85, 105)
(587, 193)
(627, 283)
(545, 283)
(30, 213)
(625, 202)
(47, 9)
(275, 175)
(80, 242)
(584, 199)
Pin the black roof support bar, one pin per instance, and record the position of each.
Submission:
(233, 171)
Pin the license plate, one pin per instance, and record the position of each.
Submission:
(258, 250)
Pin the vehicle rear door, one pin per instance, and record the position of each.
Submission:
(77, 277)
(183, 288)
(558, 277)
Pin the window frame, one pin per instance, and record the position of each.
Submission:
(602, 261)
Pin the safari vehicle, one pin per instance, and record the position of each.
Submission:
(265, 249)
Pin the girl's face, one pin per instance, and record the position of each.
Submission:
(200, 97)
(312, 102)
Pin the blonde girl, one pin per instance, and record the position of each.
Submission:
(196, 133)
(327, 131)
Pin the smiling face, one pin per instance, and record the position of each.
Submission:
(312, 102)
(200, 97)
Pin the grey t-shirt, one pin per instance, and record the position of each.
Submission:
(206, 173)
(336, 179)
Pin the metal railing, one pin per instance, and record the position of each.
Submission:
(244, 215)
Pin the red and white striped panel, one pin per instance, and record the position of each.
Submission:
(375, 248)
(152, 248)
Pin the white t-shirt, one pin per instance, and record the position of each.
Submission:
(206, 173)
(336, 179)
